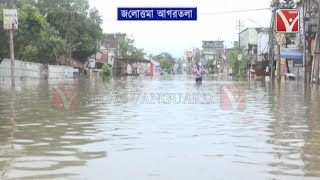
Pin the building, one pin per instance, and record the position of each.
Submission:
(212, 50)
(111, 42)
(98, 60)
(306, 37)
(252, 39)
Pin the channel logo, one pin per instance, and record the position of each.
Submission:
(287, 21)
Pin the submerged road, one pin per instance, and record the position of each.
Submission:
(136, 128)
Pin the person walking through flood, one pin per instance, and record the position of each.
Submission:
(198, 72)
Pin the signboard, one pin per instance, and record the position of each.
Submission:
(291, 53)
(297, 63)
(10, 19)
(287, 21)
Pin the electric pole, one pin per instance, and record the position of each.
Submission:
(305, 54)
(317, 48)
(13, 81)
(70, 33)
(271, 39)
(239, 28)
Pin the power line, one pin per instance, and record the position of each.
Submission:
(255, 22)
(237, 11)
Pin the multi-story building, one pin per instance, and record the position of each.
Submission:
(254, 42)
(306, 37)
(111, 43)
(211, 49)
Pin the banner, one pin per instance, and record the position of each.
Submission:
(10, 19)
(291, 53)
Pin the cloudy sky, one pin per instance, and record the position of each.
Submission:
(177, 36)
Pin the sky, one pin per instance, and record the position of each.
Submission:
(175, 37)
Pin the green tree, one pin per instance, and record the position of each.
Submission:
(4, 38)
(166, 60)
(164, 55)
(106, 71)
(166, 64)
(235, 64)
(35, 40)
(129, 50)
(76, 23)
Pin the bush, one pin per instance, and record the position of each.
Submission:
(106, 71)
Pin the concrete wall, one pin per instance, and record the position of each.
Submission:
(60, 72)
(34, 70)
(22, 69)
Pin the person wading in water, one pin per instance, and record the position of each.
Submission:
(198, 72)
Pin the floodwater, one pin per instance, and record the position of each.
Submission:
(273, 134)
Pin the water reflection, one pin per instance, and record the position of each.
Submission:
(45, 143)
(310, 150)
(295, 123)
(7, 167)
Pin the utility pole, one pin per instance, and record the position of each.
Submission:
(279, 64)
(239, 28)
(70, 35)
(317, 48)
(271, 47)
(305, 49)
(11, 44)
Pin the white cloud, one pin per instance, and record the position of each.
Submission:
(177, 36)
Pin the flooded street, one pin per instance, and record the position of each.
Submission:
(276, 134)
